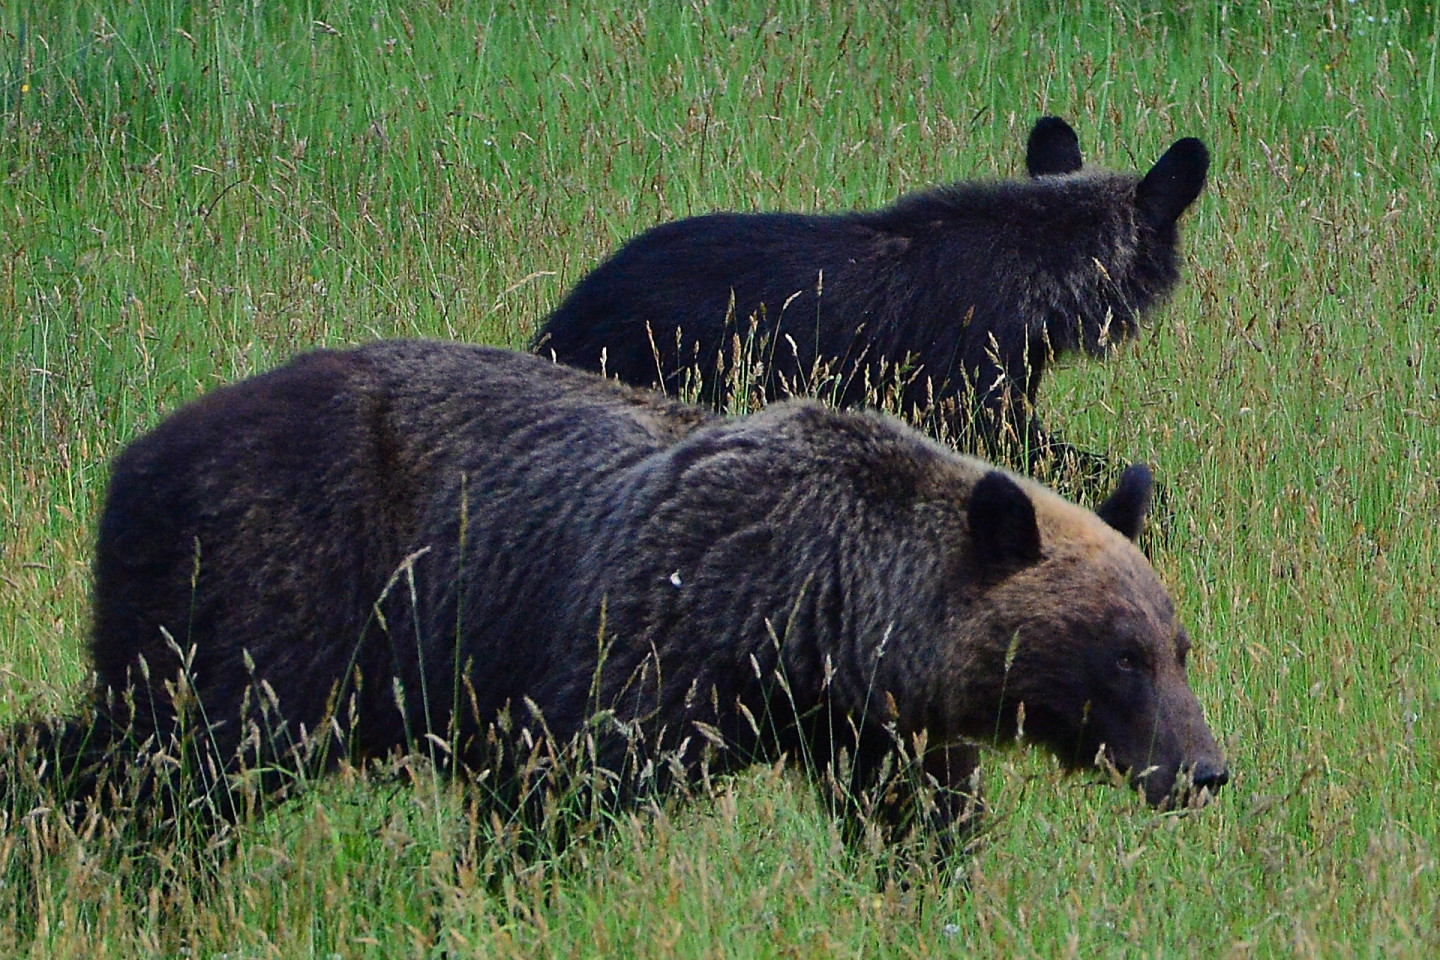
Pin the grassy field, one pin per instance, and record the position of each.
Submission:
(192, 192)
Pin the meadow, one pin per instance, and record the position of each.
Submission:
(190, 193)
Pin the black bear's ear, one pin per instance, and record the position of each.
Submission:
(1174, 182)
(1053, 148)
(1004, 536)
(1125, 509)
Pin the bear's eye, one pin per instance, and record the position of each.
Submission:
(1128, 662)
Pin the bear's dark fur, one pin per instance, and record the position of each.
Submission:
(414, 544)
(958, 296)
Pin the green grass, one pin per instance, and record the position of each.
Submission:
(192, 192)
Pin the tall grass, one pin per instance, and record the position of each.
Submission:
(190, 193)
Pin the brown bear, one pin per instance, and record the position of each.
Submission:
(954, 299)
(427, 546)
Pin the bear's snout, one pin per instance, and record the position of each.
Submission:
(1192, 788)
(1180, 759)
(1209, 775)
(1184, 784)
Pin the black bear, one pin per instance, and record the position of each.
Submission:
(419, 545)
(953, 300)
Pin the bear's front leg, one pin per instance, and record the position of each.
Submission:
(903, 799)
(947, 798)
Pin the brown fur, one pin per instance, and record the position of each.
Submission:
(415, 543)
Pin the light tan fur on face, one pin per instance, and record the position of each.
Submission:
(1093, 587)
(1073, 539)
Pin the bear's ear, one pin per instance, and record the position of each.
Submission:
(1125, 509)
(1053, 148)
(1174, 182)
(1004, 536)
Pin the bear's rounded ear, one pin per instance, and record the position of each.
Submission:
(1174, 182)
(1004, 536)
(1125, 509)
(1053, 148)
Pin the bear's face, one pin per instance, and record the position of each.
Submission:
(1115, 659)
(1112, 238)
(1089, 640)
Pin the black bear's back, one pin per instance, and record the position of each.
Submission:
(679, 294)
(935, 283)
(950, 303)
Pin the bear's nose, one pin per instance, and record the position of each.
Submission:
(1209, 775)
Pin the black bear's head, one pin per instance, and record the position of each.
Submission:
(1161, 196)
